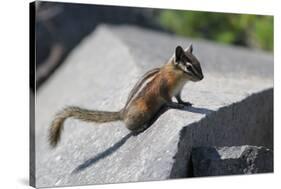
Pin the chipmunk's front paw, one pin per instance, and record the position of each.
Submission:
(181, 106)
(186, 104)
(175, 105)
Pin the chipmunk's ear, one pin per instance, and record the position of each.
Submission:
(179, 53)
(190, 48)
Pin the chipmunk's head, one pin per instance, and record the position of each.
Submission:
(188, 63)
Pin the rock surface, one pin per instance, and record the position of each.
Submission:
(214, 161)
(233, 105)
(56, 33)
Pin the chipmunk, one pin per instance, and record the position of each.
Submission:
(152, 94)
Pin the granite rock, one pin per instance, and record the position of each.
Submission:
(214, 161)
(232, 106)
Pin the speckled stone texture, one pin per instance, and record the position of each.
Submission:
(214, 161)
(232, 106)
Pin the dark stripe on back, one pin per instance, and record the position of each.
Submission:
(140, 82)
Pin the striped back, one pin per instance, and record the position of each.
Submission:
(141, 84)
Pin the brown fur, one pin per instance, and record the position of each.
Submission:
(78, 113)
(151, 95)
(151, 98)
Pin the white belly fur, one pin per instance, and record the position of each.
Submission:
(176, 90)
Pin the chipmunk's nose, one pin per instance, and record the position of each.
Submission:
(200, 77)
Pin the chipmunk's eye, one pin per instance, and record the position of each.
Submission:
(188, 66)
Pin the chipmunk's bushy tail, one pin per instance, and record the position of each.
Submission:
(82, 114)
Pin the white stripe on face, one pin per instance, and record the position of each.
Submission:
(193, 69)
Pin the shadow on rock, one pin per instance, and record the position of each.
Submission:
(121, 142)
(102, 155)
(198, 110)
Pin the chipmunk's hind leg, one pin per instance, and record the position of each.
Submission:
(161, 111)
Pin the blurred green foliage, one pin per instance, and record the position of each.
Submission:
(241, 29)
